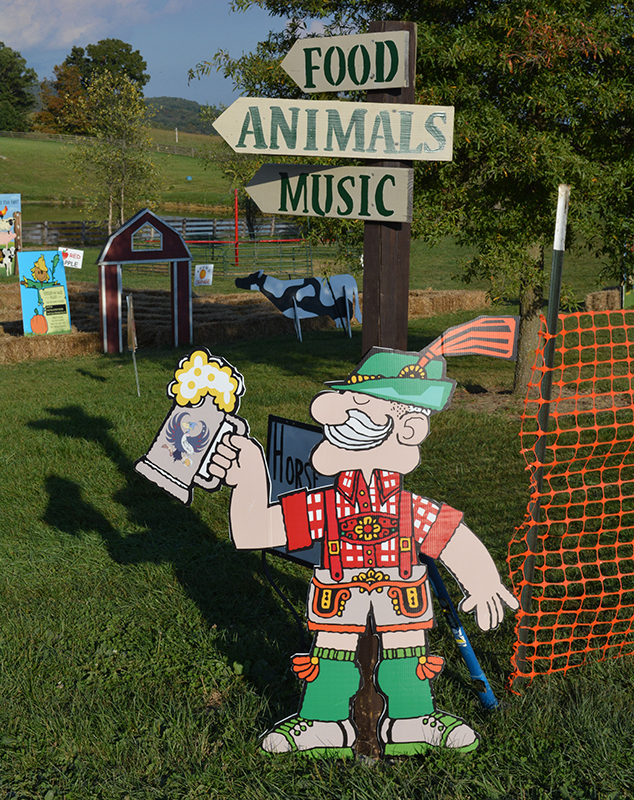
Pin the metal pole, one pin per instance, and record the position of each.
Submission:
(236, 226)
(543, 415)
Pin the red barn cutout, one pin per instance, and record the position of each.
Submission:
(144, 237)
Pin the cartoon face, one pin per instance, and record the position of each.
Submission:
(366, 433)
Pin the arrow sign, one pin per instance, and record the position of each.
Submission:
(372, 193)
(340, 63)
(337, 129)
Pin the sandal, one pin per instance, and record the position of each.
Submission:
(315, 738)
(421, 734)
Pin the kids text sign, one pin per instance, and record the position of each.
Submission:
(43, 292)
(370, 193)
(338, 129)
(341, 63)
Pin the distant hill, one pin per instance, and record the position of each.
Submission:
(174, 112)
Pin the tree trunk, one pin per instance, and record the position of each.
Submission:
(531, 304)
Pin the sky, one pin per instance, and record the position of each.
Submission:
(171, 35)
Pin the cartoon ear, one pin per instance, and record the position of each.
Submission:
(413, 428)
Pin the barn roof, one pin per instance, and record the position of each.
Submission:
(144, 237)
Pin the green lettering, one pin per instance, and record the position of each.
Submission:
(289, 132)
(352, 65)
(345, 196)
(378, 195)
(311, 129)
(309, 67)
(391, 46)
(438, 135)
(286, 192)
(315, 197)
(357, 120)
(328, 66)
(406, 134)
(253, 115)
(363, 211)
(382, 120)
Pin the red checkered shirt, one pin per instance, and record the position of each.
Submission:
(305, 516)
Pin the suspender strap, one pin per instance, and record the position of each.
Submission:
(405, 538)
(333, 545)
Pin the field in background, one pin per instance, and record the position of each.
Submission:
(37, 171)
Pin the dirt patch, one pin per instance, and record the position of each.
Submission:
(488, 401)
(217, 318)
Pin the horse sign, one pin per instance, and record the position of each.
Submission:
(369, 193)
(342, 63)
(338, 129)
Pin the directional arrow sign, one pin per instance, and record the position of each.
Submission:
(345, 130)
(340, 63)
(372, 193)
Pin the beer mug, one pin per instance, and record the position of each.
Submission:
(206, 390)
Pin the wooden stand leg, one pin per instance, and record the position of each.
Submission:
(368, 703)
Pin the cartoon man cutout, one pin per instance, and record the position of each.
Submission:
(372, 531)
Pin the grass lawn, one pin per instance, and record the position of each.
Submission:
(142, 655)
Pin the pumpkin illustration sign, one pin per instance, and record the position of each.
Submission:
(43, 293)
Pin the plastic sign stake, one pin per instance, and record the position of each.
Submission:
(342, 63)
(370, 193)
(308, 128)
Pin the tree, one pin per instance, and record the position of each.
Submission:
(118, 167)
(64, 109)
(108, 55)
(543, 95)
(17, 82)
(65, 106)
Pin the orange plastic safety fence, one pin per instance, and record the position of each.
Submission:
(583, 583)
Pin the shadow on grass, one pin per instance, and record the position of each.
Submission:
(226, 585)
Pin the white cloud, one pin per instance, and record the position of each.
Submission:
(55, 24)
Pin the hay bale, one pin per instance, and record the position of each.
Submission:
(605, 300)
(217, 319)
(427, 302)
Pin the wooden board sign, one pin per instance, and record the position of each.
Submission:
(338, 129)
(341, 63)
(370, 193)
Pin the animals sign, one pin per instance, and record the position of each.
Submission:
(336, 297)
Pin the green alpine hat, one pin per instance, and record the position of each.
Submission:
(396, 375)
(419, 379)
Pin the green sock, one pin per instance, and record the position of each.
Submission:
(407, 695)
(327, 698)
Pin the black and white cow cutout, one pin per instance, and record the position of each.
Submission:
(301, 298)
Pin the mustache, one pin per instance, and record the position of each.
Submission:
(358, 432)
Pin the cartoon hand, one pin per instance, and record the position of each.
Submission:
(489, 610)
(236, 458)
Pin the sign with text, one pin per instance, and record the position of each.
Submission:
(72, 258)
(289, 444)
(370, 193)
(340, 63)
(43, 292)
(203, 274)
(338, 129)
